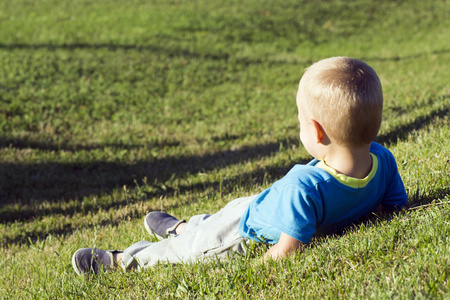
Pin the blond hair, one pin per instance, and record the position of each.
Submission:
(345, 96)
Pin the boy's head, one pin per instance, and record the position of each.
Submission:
(344, 96)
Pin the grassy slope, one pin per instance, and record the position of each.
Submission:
(111, 109)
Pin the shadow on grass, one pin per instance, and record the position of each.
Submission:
(405, 57)
(179, 52)
(401, 132)
(60, 182)
(226, 186)
(169, 52)
(414, 202)
(26, 143)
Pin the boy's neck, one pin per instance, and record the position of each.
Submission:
(352, 162)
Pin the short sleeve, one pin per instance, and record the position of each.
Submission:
(298, 213)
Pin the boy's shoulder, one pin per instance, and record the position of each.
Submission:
(376, 148)
(306, 175)
(383, 154)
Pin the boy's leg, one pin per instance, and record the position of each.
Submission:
(180, 228)
(204, 236)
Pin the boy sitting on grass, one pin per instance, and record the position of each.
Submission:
(340, 105)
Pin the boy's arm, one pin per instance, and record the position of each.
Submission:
(285, 246)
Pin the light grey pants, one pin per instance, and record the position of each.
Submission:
(204, 236)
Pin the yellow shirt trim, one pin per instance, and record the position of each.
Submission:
(351, 181)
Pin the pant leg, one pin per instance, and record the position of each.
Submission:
(204, 236)
(195, 221)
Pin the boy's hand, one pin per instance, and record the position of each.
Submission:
(285, 246)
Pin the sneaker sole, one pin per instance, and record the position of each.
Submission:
(75, 263)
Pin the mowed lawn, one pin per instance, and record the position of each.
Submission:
(111, 109)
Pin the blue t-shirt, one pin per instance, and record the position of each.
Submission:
(310, 200)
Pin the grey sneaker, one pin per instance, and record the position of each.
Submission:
(161, 225)
(89, 260)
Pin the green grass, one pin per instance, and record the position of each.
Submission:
(110, 109)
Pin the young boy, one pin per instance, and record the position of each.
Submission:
(340, 105)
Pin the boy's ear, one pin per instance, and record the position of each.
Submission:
(319, 133)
